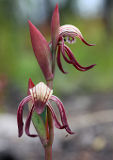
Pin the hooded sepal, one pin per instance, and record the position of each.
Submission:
(70, 32)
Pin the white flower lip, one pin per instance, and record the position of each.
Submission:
(41, 92)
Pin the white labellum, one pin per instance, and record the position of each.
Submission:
(41, 92)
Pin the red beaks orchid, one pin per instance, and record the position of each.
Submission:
(42, 51)
(41, 97)
(68, 33)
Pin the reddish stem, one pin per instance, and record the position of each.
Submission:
(48, 152)
(48, 147)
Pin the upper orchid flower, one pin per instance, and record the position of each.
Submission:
(59, 35)
(41, 96)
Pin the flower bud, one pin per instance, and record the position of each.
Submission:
(42, 51)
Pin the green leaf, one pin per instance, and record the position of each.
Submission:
(39, 125)
(43, 115)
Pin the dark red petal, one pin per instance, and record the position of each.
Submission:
(62, 45)
(30, 85)
(83, 40)
(63, 52)
(59, 61)
(55, 24)
(64, 56)
(20, 114)
(66, 59)
(62, 113)
(39, 106)
(57, 123)
(42, 51)
(27, 124)
(74, 61)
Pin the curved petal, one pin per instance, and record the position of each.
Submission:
(72, 31)
(62, 44)
(83, 40)
(74, 61)
(57, 123)
(20, 114)
(27, 124)
(65, 58)
(62, 113)
(64, 55)
(59, 61)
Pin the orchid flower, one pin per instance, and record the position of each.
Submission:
(41, 97)
(68, 33)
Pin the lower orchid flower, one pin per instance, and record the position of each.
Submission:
(41, 97)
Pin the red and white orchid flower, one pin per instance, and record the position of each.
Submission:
(41, 97)
(60, 34)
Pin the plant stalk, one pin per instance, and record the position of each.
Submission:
(48, 152)
(48, 147)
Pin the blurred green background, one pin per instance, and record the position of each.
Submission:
(17, 60)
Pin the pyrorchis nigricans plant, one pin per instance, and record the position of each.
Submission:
(40, 97)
